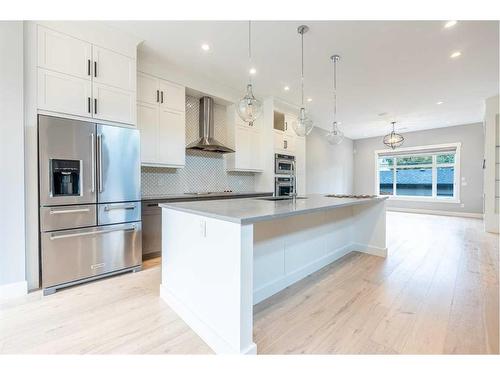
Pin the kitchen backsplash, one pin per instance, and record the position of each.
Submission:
(204, 171)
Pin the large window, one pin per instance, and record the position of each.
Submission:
(426, 173)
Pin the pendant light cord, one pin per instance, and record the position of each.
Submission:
(249, 50)
(302, 69)
(335, 91)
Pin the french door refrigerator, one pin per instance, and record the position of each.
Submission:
(89, 193)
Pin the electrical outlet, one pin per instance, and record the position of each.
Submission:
(462, 205)
(203, 228)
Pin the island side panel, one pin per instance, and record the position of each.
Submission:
(287, 250)
(207, 278)
(369, 228)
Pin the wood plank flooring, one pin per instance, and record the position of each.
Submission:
(436, 293)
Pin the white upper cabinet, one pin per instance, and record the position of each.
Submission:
(283, 142)
(246, 141)
(78, 78)
(161, 120)
(64, 93)
(167, 94)
(147, 121)
(289, 124)
(172, 138)
(113, 69)
(113, 104)
(64, 54)
(148, 89)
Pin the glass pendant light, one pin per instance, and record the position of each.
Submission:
(335, 135)
(304, 124)
(249, 108)
(393, 139)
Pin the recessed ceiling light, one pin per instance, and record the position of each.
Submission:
(439, 103)
(449, 24)
(456, 54)
(309, 99)
(205, 47)
(253, 71)
(286, 88)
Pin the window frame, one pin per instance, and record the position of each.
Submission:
(433, 150)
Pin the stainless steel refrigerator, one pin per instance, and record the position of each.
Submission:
(89, 193)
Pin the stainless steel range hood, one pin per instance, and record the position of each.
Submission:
(207, 142)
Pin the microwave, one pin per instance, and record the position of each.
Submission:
(283, 164)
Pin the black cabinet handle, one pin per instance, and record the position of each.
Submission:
(285, 145)
(88, 67)
(286, 125)
(95, 106)
(157, 96)
(88, 105)
(95, 68)
(161, 97)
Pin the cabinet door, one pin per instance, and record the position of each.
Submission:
(113, 104)
(254, 152)
(278, 140)
(113, 69)
(289, 143)
(289, 124)
(64, 54)
(148, 90)
(242, 143)
(172, 96)
(172, 138)
(147, 121)
(64, 93)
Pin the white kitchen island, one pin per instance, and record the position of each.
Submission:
(221, 257)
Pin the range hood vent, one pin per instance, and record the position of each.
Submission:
(207, 142)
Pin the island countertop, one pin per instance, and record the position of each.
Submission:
(252, 210)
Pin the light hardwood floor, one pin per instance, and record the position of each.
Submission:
(437, 292)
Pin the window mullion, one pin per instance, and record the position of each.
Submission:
(394, 176)
(434, 177)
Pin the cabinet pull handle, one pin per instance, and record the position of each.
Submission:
(88, 67)
(285, 144)
(161, 97)
(95, 106)
(286, 126)
(95, 68)
(157, 96)
(88, 105)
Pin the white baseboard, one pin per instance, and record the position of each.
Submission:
(372, 250)
(205, 331)
(13, 290)
(436, 212)
(273, 287)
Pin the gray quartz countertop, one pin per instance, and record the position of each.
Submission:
(203, 196)
(252, 210)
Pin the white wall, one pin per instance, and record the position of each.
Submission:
(12, 228)
(329, 168)
(471, 172)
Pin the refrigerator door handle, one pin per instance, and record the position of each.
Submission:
(92, 161)
(92, 233)
(99, 160)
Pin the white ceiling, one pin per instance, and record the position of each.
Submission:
(401, 68)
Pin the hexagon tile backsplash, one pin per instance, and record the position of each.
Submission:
(204, 171)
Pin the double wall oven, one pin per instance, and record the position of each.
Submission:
(284, 181)
(89, 193)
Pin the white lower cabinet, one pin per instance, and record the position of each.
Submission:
(64, 93)
(163, 136)
(114, 104)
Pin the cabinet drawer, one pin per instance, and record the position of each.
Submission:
(57, 218)
(114, 213)
(72, 255)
